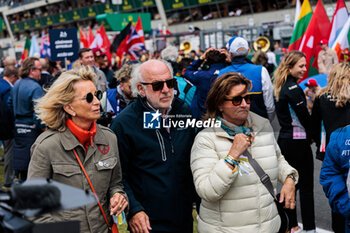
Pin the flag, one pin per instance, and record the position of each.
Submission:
(90, 37)
(339, 18)
(45, 50)
(106, 44)
(120, 38)
(136, 40)
(139, 30)
(317, 30)
(83, 40)
(26, 49)
(301, 26)
(342, 41)
(34, 48)
(297, 12)
(101, 41)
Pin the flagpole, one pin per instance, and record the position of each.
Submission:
(8, 28)
(161, 11)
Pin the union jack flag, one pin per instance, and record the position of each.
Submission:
(136, 40)
(45, 46)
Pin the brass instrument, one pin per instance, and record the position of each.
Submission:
(186, 47)
(263, 43)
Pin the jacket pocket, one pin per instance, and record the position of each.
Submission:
(106, 163)
(67, 170)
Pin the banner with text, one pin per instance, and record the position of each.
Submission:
(64, 44)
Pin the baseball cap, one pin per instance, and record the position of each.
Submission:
(324, 41)
(98, 52)
(311, 83)
(236, 43)
(284, 50)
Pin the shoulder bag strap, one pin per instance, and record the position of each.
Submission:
(264, 178)
(92, 188)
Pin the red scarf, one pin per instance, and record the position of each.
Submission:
(83, 136)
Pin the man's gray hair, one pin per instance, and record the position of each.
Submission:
(136, 76)
(170, 53)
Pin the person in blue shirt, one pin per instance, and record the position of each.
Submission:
(27, 125)
(335, 170)
(7, 123)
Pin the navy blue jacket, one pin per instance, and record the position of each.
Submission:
(23, 94)
(156, 167)
(203, 80)
(5, 91)
(334, 171)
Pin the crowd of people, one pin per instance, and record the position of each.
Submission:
(128, 136)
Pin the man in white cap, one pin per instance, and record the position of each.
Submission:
(263, 103)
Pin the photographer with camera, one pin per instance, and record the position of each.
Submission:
(202, 73)
(116, 99)
(78, 152)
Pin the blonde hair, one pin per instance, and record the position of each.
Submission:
(289, 60)
(49, 108)
(124, 73)
(338, 86)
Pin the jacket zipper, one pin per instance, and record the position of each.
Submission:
(161, 144)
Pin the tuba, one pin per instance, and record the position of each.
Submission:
(263, 43)
(186, 47)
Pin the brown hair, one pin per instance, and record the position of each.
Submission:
(11, 70)
(123, 75)
(28, 64)
(83, 50)
(221, 90)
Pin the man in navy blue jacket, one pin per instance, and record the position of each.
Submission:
(7, 122)
(27, 125)
(155, 158)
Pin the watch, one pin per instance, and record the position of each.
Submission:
(292, 177)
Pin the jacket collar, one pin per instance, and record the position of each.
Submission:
(69, 141)
(240, 60)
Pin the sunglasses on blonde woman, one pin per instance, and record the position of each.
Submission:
(90, 97)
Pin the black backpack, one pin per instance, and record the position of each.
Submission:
(7, 124)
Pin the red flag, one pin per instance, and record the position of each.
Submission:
(139, 29)
(101, 41)
(106, 44)
(90, 37)
(83, 39)
(317, 30)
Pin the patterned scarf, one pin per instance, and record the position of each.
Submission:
(232, 129)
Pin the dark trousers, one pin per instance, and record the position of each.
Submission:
(8, 154)
(338, 223)
(299, 155)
